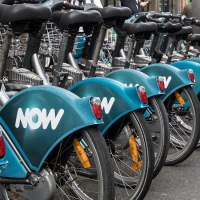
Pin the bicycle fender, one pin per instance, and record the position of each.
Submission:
(132, 78)
(117, 99)
(10, 166)
(197, 60)
(195, 66)
(38, 118)
(174, 78)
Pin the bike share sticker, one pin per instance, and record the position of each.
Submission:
(42, 118)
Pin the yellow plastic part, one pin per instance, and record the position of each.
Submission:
(81, 154)
(133, 148)
(16, 195)
(136, 166)
(134, 153)
(179, 98)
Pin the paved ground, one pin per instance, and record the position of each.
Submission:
(180, 182)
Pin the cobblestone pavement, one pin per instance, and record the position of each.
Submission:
(179, 182)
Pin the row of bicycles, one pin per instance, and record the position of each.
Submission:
(83, 119)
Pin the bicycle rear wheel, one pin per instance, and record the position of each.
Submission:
(184, 114)
(133, 159)
(158, 125)
(75, 180)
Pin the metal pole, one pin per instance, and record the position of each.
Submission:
(97, 50)
(5, 51)
(61, 57)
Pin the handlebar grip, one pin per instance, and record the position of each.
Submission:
(27, 1)
(64, 5)
(153, 20)
(161, 16)
(176, 17)
(70, 6)
(197, 23)
(57, 7)
(8, 2)
(11, 2)
(192, 20)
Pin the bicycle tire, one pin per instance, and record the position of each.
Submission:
(104, 170)
(126, 185)
(163, 135)
(185, 149)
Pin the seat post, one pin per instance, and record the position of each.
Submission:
(5, 51)
(33, 46)
(187, 51)
(61, 57)
(121, 38)
(130, 52)
(97, 50)
(3, 59)
(155, 53)
(169, 60)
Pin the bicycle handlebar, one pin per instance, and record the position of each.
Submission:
(11, 2)
(150, 18)
(197, 22)
(64, 5)
(161, 16)
(191, 20)
(70, 6)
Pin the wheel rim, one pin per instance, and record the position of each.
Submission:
(129, 183)
(71, 184)
(182, 128)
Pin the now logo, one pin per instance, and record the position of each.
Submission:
(167, 81)
(42, 118)
(131, 85)
(107, 105)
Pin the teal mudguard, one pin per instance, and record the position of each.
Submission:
(10, 165)
(38, 118)
(195, 66)
(132, 78)
(197, 60)
(174, 78)
(117, 99)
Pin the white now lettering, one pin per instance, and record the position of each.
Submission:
(130, 85)
(43, 118)
(107, 106)
(167, 81)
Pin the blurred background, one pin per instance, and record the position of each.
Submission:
(173, 6)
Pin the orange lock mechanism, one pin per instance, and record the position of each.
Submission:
(179, 98)
(15, 195)
(134, 153)
(81, 154)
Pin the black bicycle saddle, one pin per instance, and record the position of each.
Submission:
(23, 12)
(113, 12)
